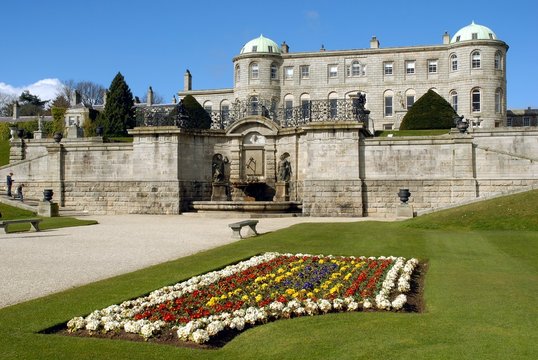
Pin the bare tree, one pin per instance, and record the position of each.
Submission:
(157, 98)
(6, 101)
(91, 93)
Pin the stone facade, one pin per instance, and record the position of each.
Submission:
(469, 73)
(336, 169)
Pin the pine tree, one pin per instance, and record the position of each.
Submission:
(431, 111)
(118, 114)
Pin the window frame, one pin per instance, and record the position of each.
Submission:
(332, 74)
(476, 100)
(498, 61)
(273, 72)
(305, 71)
(387, 107)
(386, 66)
(410, 67)
(433, 65)
(454, 100)
(254, 71)
(288, 72)
(476, 59)
(454, 62)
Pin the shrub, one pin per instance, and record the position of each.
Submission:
(431, 111)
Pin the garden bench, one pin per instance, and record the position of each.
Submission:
(236, 227)
(4, 224)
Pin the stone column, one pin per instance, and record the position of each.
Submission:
(56, 163)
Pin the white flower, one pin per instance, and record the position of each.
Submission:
(214, 328)
(200, 336)
(237, 323)
(76, 324)
(324, 305)
(111, 325)
(92, 325)
(366, 304)
(399, 302)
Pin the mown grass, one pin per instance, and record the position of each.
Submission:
(10, 213)
(4, 152)
(480, 295)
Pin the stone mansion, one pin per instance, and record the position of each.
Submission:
(468, 70)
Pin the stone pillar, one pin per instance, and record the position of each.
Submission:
(16, 150)
(282, 191)
(56, 170)
(149, 100)
(219, 192)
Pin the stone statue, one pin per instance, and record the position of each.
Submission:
(284, 168)
(218, 164)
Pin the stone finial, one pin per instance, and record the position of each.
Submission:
(75, 98)
(374, 43)
(16, 110)
(187, 81)
(322, 48)
(446, 38)
(285, 48)
(149, 100)
(174, 100)
(105, 94)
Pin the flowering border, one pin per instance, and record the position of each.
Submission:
(243, 294)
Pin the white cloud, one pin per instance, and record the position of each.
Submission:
(46, 89)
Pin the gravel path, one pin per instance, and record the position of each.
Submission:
(36, 264)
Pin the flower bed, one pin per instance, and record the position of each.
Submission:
(265, 287)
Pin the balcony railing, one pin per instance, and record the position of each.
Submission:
(308, 112)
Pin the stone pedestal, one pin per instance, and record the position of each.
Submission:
(219, 192)
(47, 209)
(74, 132)
(281, 191)
(16, 150)
(38, 134)
(404, 211)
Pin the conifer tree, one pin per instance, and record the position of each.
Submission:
(118, 114)
(431, 111)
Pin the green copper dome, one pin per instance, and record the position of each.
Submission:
(261, 45)
(473, 32)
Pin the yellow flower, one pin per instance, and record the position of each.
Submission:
(245, 298)
(290, 291)
(321, 261)
(259, 298)
(223, 297)
(348, 276)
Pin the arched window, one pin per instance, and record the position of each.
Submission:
(208, 106)
(274, 71)
(498, 62)
(254, 71)
(454, 62)
(498, 101)
(475, 59)
(305, 106)
(409, 98)
(333, 105)
(288, 106)
(454, 100)
(475, 100)
(254, 105)
(237, 74)
(388, 99)
(225, 111)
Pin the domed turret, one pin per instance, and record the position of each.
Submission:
(473, 32)
(261, 45)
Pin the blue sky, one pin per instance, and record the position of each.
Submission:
(153, 42)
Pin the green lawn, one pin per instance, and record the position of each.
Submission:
(480, 295)
(10, 212)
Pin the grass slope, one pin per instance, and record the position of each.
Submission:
(10, 212)
(480, 296)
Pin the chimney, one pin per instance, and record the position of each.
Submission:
(374, 43)
(16, 110)
(446, 38)
(149, 100)
(285, 48)
(105, 94)
(187, 81)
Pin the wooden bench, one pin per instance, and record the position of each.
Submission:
(236, 227)
(4, 224)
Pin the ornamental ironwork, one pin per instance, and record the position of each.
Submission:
(310, 111)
